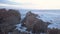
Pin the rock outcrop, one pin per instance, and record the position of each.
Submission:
(8, 20)
(34, 24)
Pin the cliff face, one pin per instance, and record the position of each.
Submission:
(8, 20)
(34, 24)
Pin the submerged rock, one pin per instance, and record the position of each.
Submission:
(8, 20)
(34, 24)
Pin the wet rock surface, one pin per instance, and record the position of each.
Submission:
(8, 20)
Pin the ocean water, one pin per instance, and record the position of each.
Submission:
(52, 16)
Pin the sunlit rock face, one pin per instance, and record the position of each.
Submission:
(34, 24)
(8, 20)
(53, 31)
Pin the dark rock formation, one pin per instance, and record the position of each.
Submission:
(15, 32)
(24, 33)
(53, 31)
(8, 20)
(34, 24)
(18, 32)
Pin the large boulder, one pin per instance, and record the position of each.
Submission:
(34, 24)
(8, 20)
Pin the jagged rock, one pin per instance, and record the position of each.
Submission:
(34, 24)
(8, 20)
(29, 19)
